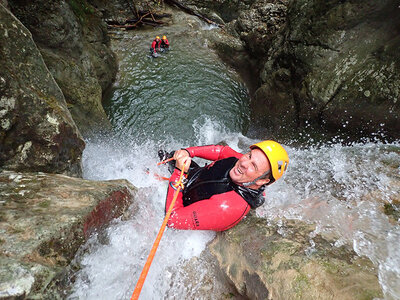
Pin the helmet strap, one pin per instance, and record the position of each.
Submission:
(263, 176)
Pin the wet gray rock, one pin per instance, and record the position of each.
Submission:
(259, 25)
(75, 46)
(37, 132)
(271, 261)
(44, 219)
(335, 64)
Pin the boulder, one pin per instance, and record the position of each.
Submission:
(44, 219)
(76, 48)
(286, 261)
(37, 132)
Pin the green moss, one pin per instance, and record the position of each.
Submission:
(392, 210)
(44, 204)
(267, 272)
(81, 9)
(275, 247)
(292, 264)
(14, 230)
(330, 267)
(300, 284)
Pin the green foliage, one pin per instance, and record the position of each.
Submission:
(81, 9)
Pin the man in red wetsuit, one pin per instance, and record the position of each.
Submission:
(155, 45)
(218, 196)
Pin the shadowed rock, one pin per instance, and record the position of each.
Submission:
(334, 64)
(75, 46)
(37, 132)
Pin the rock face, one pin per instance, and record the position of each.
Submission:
(332, 64)
(44, 218)
(74, 43)
(259, 25)
(37, 132)
(336, 64)
(280, 262)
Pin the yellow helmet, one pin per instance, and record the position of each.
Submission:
(157, 37)
(277, 156)
(164, 37)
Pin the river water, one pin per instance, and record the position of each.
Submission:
(189, 97)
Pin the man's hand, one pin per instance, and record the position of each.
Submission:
(182, 159)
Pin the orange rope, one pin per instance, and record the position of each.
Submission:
(164, 161)
(153, 250)
(159, 177)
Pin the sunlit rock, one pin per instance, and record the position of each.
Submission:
(287, 261)
(44, 218)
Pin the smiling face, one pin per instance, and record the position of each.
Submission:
(249, 167)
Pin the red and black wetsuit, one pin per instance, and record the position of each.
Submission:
(155, 44)
(210, 200)
(164, 43)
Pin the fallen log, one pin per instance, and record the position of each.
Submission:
(127, 27)
(132, 21)
(114, 22)
(133, 9)
(192, 12)
(133, 26)
(142, 17)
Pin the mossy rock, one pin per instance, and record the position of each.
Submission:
(280, 259)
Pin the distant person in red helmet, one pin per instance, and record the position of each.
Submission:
(219, 195)
(164, 42)
(155, 45)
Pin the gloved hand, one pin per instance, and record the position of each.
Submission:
(182, 159)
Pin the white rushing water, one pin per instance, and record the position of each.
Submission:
(111, 269)
(341, 188)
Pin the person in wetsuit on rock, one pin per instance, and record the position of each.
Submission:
(219, 195)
